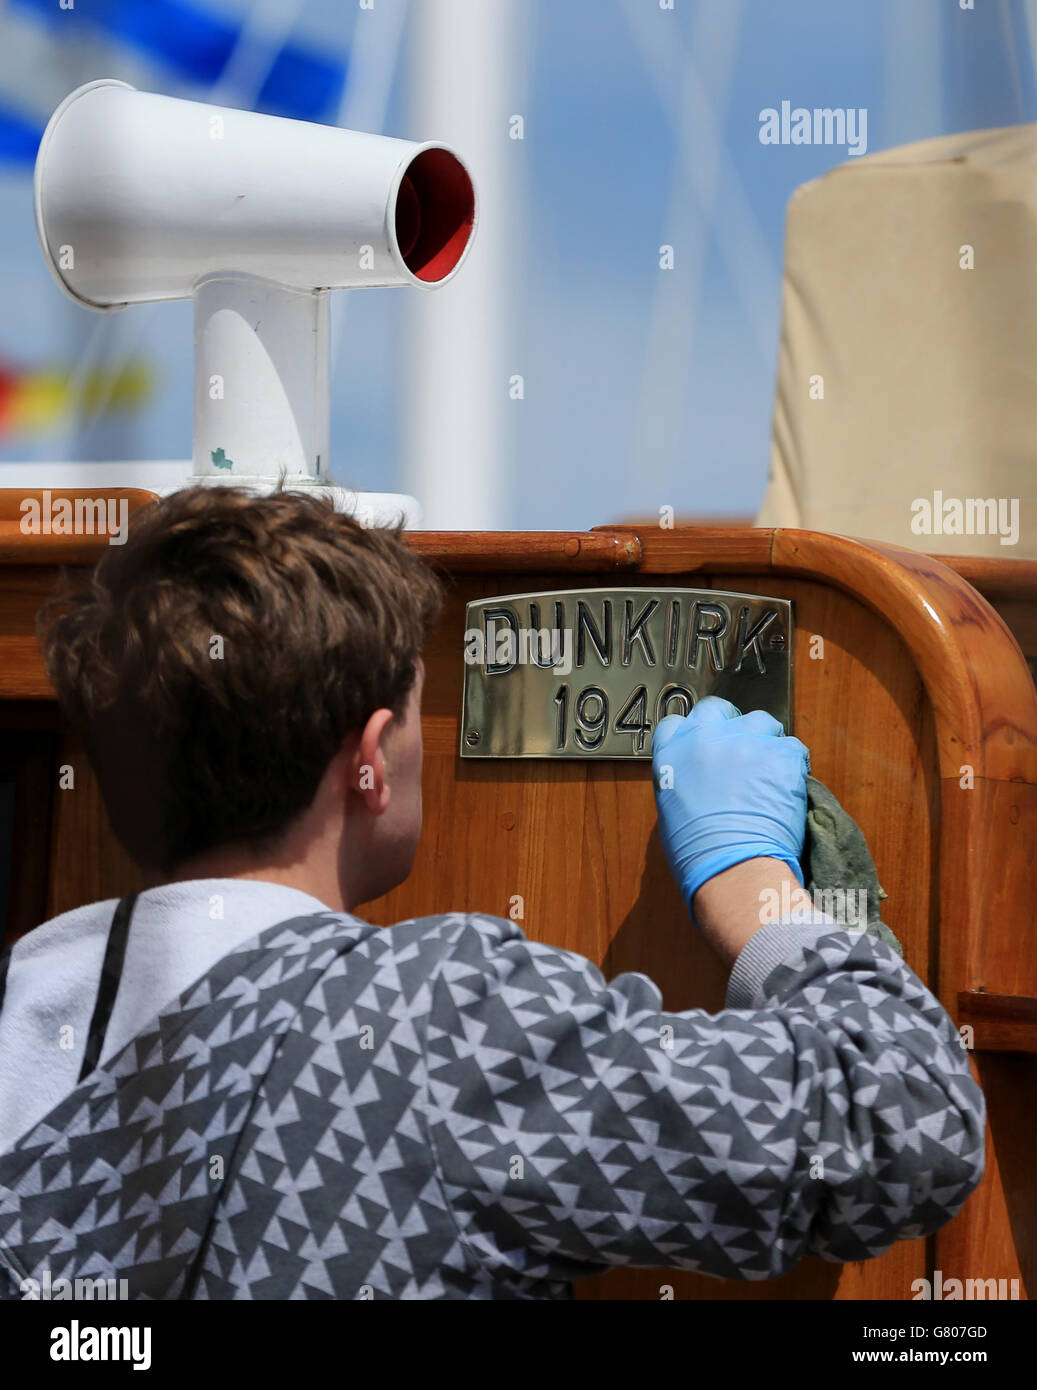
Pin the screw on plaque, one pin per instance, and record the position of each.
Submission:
(472, 737)
(778, 640)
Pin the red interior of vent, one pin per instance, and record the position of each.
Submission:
(435, 213)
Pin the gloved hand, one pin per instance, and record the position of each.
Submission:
(736, 789)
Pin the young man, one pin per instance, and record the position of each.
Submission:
(231, 1087)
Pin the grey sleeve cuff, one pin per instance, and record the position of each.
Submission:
(770, 947)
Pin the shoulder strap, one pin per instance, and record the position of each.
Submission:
(108, 987)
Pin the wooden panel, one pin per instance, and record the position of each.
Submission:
(920, 715)
(24, 589)
(949, 813)
(87, 862)
(999, 1236)
(575, 846)
(1000, 1022)
(27, 761)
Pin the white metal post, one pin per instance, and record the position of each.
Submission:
(261, 382)
(463, 63)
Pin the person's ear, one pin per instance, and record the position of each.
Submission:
(369, 762)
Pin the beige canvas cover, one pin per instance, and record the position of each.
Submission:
(907, 379)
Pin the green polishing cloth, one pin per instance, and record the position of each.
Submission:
(836, 856)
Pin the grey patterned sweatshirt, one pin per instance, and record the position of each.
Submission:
(445, 1109)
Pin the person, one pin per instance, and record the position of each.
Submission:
(231, 1086)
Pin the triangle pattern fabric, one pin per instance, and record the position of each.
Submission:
(446, 1110)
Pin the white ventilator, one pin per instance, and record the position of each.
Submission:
(141, 197)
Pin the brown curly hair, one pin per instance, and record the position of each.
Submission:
(216, 662)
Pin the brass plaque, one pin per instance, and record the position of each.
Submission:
(588, 673)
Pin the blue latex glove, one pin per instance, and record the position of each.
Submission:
(736, 789)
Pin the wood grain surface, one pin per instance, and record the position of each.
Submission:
(921, 716)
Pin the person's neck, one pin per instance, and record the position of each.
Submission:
(314, 877)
